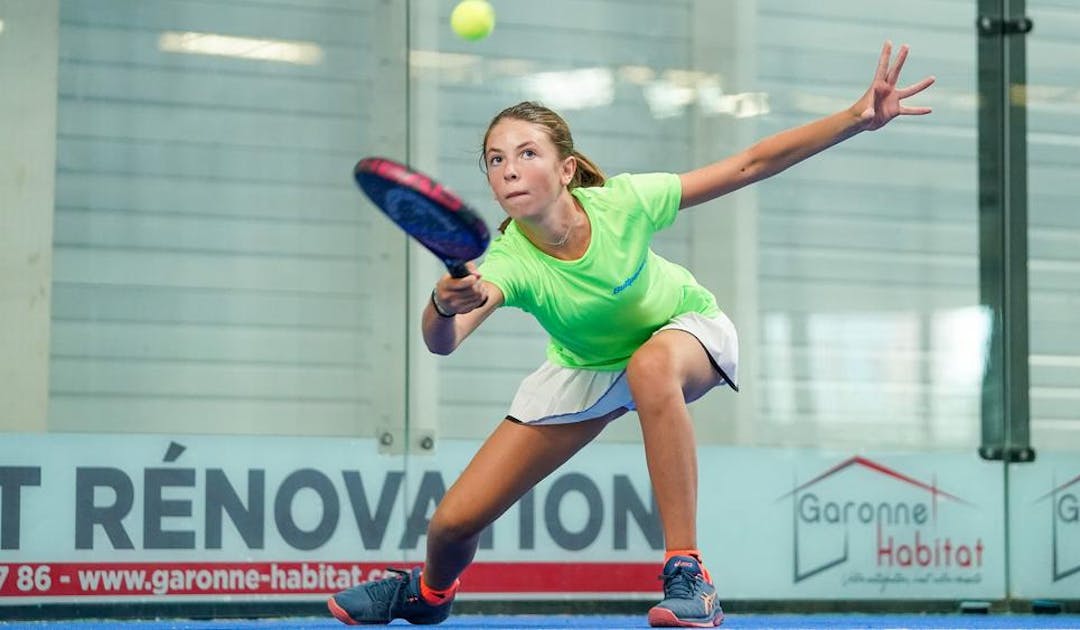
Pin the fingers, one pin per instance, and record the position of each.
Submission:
(883, 61)
(916, 88)
(894, 73)
(449, 284)
(885, 96)
(461, 295)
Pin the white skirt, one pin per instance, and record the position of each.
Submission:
(555, 394)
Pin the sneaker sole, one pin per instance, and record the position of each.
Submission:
(664, 618)
(339, 613)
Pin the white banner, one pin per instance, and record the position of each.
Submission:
(229, 517)
(1045, 524)
(813, 525)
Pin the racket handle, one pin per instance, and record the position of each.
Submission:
(458, 269)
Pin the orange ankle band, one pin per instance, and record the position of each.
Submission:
(693, 553)
(437, 597)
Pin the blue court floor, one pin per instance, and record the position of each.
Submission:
(606, 622)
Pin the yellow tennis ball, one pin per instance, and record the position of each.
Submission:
(473, 19)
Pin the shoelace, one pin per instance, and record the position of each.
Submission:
(681, 583)
(391, 586)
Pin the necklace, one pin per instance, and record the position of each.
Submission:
(566, 237)
(562, 241)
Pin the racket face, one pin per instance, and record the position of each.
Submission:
(428, 212)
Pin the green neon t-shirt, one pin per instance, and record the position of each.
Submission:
(600, 308)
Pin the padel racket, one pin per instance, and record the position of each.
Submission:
(427, 211)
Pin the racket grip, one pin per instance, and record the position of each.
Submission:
(457, 269)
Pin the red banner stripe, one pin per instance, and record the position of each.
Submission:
(68, 579)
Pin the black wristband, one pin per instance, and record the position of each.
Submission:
(438, 309)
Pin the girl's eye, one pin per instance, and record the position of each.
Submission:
(493, 160)
(529, 153)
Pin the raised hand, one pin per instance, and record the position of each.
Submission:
(882, 101)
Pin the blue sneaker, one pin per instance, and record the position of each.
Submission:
(689, 597)
(382, 601)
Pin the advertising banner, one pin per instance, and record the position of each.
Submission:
(172, 518)
(1044, 507)
(814, 525)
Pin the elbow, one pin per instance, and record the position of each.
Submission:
(757, 166)
(441, 349)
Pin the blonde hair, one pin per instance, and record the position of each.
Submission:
(586, 174)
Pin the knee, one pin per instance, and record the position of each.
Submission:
(449, 525)
(650, 367)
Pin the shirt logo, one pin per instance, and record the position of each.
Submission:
(629, 281)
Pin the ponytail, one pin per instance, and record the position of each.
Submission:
(587, 174)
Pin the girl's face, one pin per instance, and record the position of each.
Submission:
(524, 169)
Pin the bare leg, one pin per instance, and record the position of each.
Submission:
(514, 458)
(668, 371)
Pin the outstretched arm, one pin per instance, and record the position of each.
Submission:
(470, 300)
(880, 104)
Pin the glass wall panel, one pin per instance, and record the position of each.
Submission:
(853, 278)
(869, 327)
(1043, 497)
(623, 76)
(227, 345)
(1054, 225)
(216, 270)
